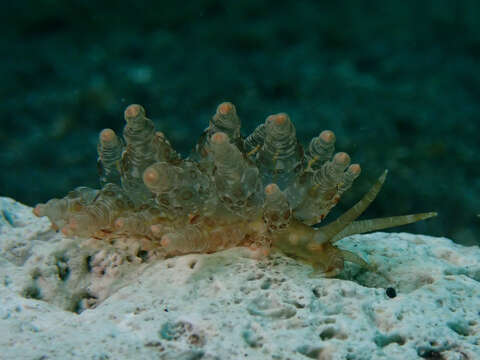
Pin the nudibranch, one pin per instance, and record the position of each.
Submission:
(263, 191)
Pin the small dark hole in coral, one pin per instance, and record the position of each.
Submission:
(88, 260)
(83, 301)
(173, 331)
(63, 269)
(143, 254)
(391, 292)
(319, 292)
(459, 327)
(328, 333)
(42, 357)
(310, 351)
(155, 344)
(78, 308)
(429, 354)
(32, 292)
(192, 264)
(64, 273)
(266, 284)
(298, 305)
(385, 340)
(195, 339)
(36, 273)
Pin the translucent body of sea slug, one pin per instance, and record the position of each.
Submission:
(263, 191)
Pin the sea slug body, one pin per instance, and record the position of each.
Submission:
(263, 191)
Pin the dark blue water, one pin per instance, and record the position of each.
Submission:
(398, 82)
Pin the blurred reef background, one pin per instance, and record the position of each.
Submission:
(397, 81)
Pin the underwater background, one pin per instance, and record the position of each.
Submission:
(398, 82)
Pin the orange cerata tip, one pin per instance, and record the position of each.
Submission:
(67, 231)
(165, 240)
(341, 158)
(355, 169)
(119, 223)
(224, 108)
(277, 119)
(150, 176)
(156, 230)
(107, 135)
(280, 118)
(327, 136)
(219, 138)
(271, 189)
(133, 111)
